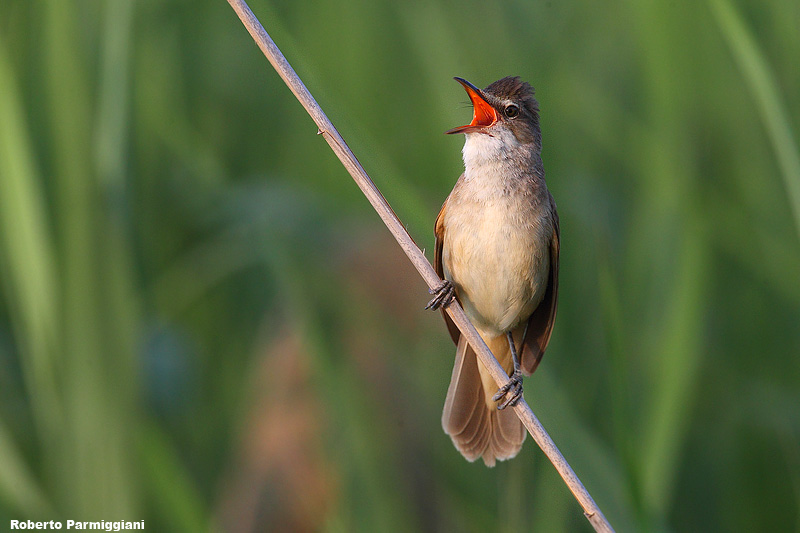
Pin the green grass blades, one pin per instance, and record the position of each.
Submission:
(203, 325)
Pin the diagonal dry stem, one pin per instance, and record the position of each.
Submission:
(417, 258)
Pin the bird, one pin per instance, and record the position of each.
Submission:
(497, 252)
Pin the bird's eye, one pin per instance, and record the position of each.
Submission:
(511, 111)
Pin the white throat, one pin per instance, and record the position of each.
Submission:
(488, 154)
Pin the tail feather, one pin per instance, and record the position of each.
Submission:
(471, 419)
(463, 399)
(473, 446)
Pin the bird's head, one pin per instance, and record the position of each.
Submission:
(505, 107)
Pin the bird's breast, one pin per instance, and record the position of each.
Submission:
(496, 252)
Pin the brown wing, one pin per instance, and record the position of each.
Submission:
(438, 231)
(540, 324)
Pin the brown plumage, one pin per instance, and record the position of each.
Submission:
(497, 242)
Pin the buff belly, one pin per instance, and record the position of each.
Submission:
(497, 256)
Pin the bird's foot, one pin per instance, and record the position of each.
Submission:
(512, 390)
(443, 295)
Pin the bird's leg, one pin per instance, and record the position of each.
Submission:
(514, 384)
(443, 295)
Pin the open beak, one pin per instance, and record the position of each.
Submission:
(483, 114)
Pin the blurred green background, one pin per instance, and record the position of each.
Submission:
(203, 324)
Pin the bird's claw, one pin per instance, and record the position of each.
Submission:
(512, 389)
(443, 295)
